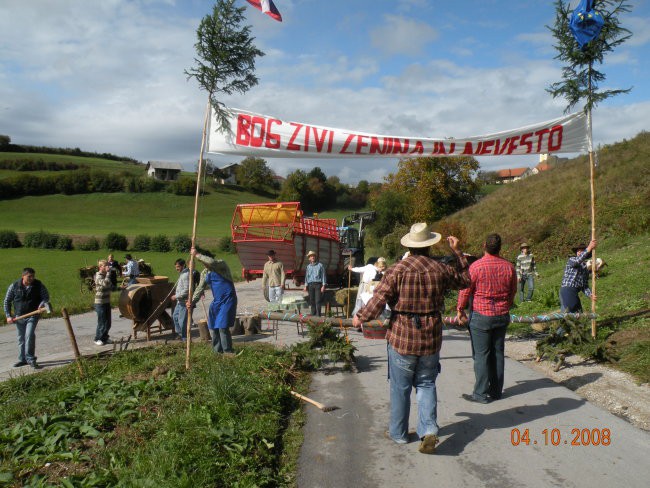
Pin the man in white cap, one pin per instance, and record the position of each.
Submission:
(415, 288)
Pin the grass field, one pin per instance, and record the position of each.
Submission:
(90, 163)
(98, 214)
(59, 271)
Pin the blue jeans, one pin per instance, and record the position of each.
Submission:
(221, 340)
(406, 372)
(526, 280)
(103, 321)
(180, 318)
(488, 336)
(26, 329)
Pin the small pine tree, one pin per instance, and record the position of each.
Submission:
(580, 78)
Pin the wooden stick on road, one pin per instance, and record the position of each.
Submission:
(324, 408)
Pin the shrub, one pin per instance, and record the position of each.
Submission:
(160, 243)
(90, 244)
(182, 243)
(391, 242)
(64, 243)
(183, 186)
(41, 240)
(116, 242)
(226, 245)
(142, 242)
(9, 239)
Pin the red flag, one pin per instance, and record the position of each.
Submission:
(268, 7)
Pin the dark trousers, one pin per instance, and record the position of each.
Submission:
(315, 297)
(103, 321)
(488, 336)
(221, 340)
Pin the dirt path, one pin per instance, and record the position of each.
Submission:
(601, 385)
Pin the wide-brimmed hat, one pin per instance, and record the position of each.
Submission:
(312, 253)
(270, 252)
(524, 244)
(579, 246)
(420, 236)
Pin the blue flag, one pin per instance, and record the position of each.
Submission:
(586, 23)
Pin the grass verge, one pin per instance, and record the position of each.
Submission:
(140, 419)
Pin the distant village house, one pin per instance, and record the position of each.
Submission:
(510, 175)
(228, 174)
(164, 171)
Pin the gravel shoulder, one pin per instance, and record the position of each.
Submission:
(606, 387)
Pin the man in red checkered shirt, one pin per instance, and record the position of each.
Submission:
(493, 289)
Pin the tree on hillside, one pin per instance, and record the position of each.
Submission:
(434, 186)
(580, 80)
(392, 209)
(295, 188)
(4, 140)
(226, 56)
(254, 174)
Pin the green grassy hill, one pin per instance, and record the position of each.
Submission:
(92, 163)
(551, 211)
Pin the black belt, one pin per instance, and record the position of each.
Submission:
(416, 317)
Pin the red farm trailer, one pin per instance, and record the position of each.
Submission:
(258, 227)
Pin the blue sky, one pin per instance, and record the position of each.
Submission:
(108, 76)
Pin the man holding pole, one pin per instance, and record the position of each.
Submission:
(26, 296)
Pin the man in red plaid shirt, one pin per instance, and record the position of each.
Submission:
(415, 288)
(493, 288)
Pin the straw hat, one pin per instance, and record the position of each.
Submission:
(420, 236)
(524, 244)
(311, 253)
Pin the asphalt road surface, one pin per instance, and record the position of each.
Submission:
(540, 434)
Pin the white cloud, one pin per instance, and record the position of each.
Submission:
(400, 35)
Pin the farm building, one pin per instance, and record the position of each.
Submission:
(164, 171)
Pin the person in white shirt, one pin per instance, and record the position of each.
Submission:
(369, 274)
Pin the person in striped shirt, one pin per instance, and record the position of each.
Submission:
(526, 268)
(493, 289)
(103, 287)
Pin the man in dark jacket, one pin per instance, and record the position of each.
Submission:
(25, 295)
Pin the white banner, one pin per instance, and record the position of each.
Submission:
(263, 136)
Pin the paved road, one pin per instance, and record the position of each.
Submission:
(347, 448)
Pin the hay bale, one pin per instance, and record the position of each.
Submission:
(342, 298)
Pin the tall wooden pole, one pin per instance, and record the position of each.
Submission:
(199, 174)
(593, 206)
(73, 340)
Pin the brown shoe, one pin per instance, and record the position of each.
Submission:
(428, 444)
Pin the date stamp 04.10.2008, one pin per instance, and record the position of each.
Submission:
(557, 437)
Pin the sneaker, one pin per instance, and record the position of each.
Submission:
(99, 343)
(472, 398)
(396, 441)
(428, 444)
(20, 363)
(34, 365)
(108, 341)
